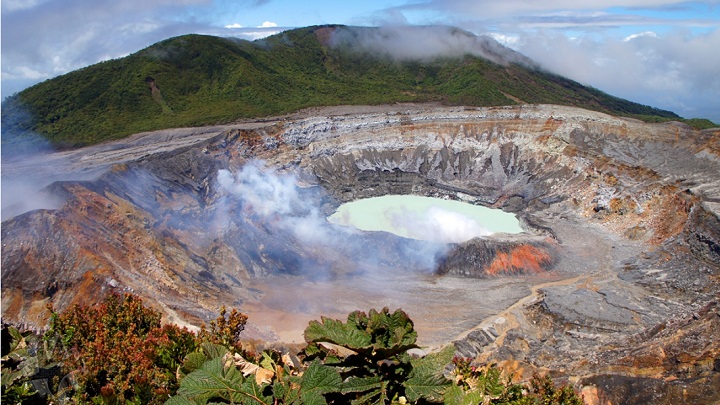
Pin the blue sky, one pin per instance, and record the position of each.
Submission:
(664, 53)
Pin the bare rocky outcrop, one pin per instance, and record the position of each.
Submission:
(614, 283)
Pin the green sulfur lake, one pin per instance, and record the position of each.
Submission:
(425, 218)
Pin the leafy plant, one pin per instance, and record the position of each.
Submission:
(16, 368)
(27, 365)
(486, 385)
(216, 374)
(217, 378)
(117, 350)
(370, 353)
(364, 360)
(544, 391)
(225, 329)
(482, 385)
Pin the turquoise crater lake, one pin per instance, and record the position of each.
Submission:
(425, 218)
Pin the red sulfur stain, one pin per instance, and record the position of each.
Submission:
(521, 259)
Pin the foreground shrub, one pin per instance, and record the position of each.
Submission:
(365, 360)
(117, 350)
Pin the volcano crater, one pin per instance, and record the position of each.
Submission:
(620, 219)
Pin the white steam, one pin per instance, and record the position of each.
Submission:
(28, 167)
(276, 197)
(436, 224)
(21, 195)
(276, 202)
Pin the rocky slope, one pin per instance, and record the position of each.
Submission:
(614, 284)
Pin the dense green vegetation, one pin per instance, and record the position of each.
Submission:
(117, 352)
(197, 80)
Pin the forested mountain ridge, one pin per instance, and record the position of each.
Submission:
(195, 80)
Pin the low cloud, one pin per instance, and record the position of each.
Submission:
(676, 70)
(403, 42)
(487, 9)
(640, 35)
(45, 38)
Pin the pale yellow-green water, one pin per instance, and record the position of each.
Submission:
(425, 218)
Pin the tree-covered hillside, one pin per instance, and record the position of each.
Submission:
(197, 80)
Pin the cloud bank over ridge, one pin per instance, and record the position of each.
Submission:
(656, 52)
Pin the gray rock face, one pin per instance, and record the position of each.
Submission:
(616, 273)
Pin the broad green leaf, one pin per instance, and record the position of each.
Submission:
(215, 381)
(369, 398)
(251, 394)
(192, 362)
(426, 379)
(320, 379)
(391, 330)
(212, 350)
(9, 377)
(179, 400)
(30, 366)
(267, 362)
(17, 338)
(287, 391)
(210, 381)
(334, 331)
(455, 395)
(311, 350)
(358, 320)
(357, 384)
(378, 396)
(312, 398)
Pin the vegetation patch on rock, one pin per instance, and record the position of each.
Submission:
(117, 352)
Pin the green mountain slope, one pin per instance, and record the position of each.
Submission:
(197, 80)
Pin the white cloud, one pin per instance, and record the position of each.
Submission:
(424, 42)
(23, 72)
(252, 34)
(640, 34)
(44, 38)
(670, 71)
(493, 8)
(15, 5)
(507, 40)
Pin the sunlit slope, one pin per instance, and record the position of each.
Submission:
(197, 80)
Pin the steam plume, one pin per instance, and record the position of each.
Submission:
(291, 210)
(437, 224)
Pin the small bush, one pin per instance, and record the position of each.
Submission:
(118, 351)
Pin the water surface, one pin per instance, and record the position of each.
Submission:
(425, 218)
